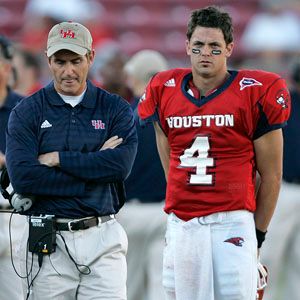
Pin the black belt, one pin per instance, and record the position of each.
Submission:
(82, 224)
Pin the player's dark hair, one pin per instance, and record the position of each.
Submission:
(211, 17)
(6, 48)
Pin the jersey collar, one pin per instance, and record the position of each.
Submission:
(187, 78)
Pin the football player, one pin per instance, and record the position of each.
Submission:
(216, 128)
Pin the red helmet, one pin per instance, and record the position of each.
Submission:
(261, 280)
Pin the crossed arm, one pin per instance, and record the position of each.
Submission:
(51, 159)
(66, 173)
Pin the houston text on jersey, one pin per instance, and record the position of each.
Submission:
(199, 121)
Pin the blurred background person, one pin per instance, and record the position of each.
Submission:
(281, 252)
(143, 217)
(10, 283)
(8, 98)
(108, 69)
(28, 72)
(271, 39)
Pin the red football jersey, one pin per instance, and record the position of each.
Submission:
(212, 160)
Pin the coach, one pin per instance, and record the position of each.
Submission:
(69, 148)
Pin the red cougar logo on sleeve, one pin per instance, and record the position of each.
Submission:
(282, 98)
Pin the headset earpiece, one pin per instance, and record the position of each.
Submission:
(4, 183)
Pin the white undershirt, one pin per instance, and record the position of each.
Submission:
(73, 100)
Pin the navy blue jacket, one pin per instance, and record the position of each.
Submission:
(11, 100)
(88, 181)
(146, 181)
(291, 133)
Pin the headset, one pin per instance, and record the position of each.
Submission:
(4, 183)
(19, 202)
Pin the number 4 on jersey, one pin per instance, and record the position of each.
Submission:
(197, 157)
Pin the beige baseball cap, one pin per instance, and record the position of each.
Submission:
(69, 36)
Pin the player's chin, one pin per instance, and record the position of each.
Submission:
(205, 72)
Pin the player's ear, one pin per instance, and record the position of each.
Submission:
(188, 47)
(229, 49)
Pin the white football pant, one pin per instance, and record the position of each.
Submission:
(211, 258)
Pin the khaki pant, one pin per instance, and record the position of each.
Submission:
(102, 248)
(145, 224)
(10, 283)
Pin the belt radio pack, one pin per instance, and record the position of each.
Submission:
(42, 234)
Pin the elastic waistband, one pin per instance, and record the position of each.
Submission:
(215, 217)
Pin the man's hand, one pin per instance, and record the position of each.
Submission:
(112, 143)
(2, 160)
(50, 159)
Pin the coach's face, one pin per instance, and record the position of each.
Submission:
(213, 51)
(70, 71)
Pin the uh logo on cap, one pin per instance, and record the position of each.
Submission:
(67, 34)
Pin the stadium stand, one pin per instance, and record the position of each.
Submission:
(11, 17)
(139, 24)
(160, 24)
